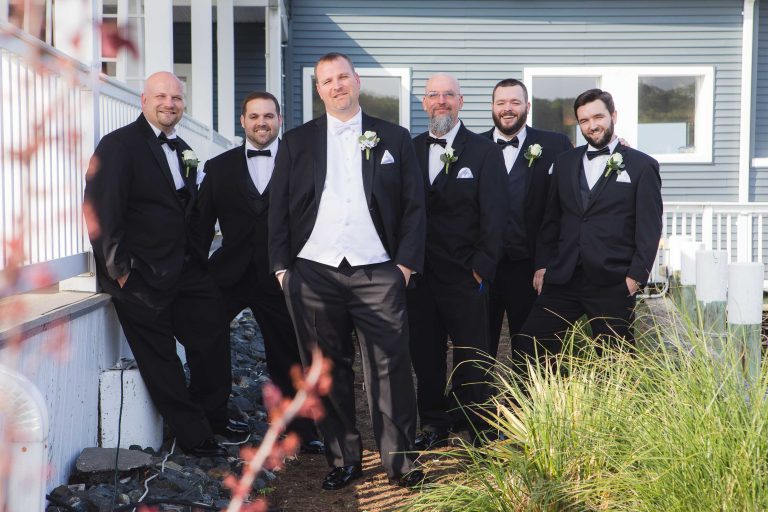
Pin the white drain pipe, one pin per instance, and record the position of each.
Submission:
(24, 426)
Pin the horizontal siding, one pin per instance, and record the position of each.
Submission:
(759, 177)
(482, 42)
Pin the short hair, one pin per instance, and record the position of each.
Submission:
(511, 82)
(593, 95)
(330, 57)
(259, 95)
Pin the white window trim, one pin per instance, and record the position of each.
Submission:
(622, 83)
(405, 89)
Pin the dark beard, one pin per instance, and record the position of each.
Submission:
(521, 120)
(602, 141)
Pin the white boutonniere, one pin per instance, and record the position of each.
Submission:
(615, 163)
(189, 159)
(533, 153)
(448, 157)
(368, 141)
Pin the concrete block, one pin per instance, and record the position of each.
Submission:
(141, 423)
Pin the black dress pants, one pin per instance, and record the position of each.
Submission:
(439, 308)
(512, 292)
(610, 310)
(192, 313)
(261, 292)
(326, 303)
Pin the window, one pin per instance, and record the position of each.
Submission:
(553, 103)
(663, 111)
(384, 93)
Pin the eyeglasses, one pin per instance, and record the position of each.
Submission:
(433, 95)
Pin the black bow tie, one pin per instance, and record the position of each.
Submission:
(173, 144)
(514, 142)
(432, 140)
(258, 152)
(593, 154)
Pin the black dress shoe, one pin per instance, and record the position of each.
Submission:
(233, 428)
(208, 448)
(315, 447)
(429, 439)
(341, 476)
(410, 479)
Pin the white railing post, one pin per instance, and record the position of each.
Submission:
(744, 237)
(706, 227)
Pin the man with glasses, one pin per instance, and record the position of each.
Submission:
(465, 190)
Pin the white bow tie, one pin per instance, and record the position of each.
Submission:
(339, 129)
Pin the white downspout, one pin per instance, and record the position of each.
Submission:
(24, 430)
(747, 98)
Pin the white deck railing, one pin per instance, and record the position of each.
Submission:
(53, 112)
(740, 229)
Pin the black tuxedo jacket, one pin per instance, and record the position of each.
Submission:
(142, 224)
(537, 177)
(393, 191)
(464, 224)
(615, 234)
(228, 194)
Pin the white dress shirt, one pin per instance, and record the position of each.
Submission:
(173, 159)
(260, 167)
(344, 228)
(511, 152)
(595, 167)
(436, 151)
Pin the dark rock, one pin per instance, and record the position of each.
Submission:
(94, 460)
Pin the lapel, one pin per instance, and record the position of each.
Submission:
(578, 170)
(190, 182)
(602, 182)
(453, 169)
(157, 151)
(269, 183)
(320, 152)
(521, 164)
(422, 157)
(248, 190)
(369, 165)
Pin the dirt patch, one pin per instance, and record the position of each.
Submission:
(297, 488)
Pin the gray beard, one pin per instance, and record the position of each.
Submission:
(440, 125)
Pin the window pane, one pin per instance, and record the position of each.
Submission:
(666, 114)
(379, 97)
(552, 103)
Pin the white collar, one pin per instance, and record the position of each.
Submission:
(272, 146)
(450, 136)
(520, 134)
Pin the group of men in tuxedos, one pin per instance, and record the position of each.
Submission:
(348, 228)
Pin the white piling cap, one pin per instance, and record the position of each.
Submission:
(711, 276)
(745, 293)
(688, 251)
(675, 245)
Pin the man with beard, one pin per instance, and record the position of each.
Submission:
(600, 234)
(236, 192)
(528, 157)
(464, 178)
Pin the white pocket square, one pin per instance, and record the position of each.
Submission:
(552, 166)
(623, 177)
(465, 173)
(387, 158)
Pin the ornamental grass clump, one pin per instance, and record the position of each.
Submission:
(670, 426)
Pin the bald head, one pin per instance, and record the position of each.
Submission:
(442, 102)
(162, 101)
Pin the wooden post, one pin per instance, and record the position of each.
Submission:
(745, 313)
(712, 295)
